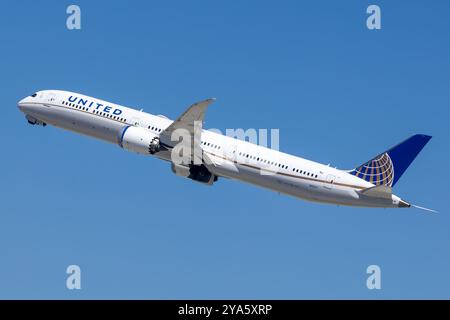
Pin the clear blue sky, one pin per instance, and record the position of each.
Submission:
(338, 92)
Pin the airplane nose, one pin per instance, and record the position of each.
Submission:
(22, 104)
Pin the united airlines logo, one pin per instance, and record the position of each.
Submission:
(97, 106)
(379, 171)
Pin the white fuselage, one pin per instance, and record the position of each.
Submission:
(239, 159)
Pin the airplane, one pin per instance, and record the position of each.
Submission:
(211, 155)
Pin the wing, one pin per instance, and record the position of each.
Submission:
(190, 122)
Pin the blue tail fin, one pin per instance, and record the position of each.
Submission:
(388, 167)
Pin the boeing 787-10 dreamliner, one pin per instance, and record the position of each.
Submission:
(368, 185)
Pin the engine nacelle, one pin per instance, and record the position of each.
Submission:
(138, 139)
(197, 173)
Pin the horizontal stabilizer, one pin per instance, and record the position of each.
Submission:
(380, 192)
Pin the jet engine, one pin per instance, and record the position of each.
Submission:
(139, 140)
(197, 173)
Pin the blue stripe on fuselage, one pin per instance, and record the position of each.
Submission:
(121, 135)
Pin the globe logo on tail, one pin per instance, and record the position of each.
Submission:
(379, 171)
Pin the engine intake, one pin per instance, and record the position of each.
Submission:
(139, 140)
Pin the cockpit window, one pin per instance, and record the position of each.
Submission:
(34, 95)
